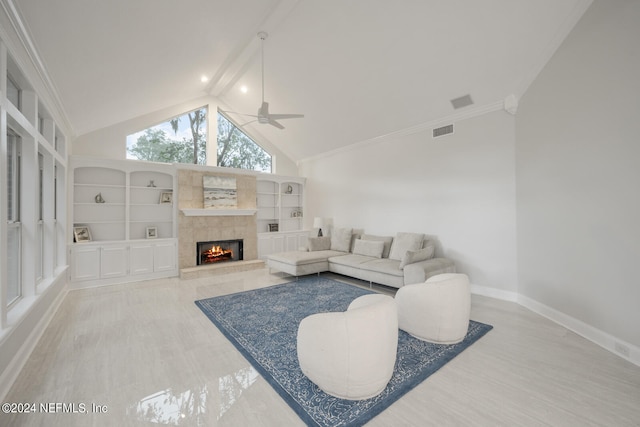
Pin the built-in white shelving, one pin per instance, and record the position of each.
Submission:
(129, 211)
(280, 214)
(280, 203)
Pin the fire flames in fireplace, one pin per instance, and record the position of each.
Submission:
(216, 251)
(216, 254)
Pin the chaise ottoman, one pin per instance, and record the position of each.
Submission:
(301, 263)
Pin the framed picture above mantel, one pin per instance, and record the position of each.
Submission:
(220, 192)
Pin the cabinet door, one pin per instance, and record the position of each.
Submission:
(303, 240)
(86, 263)
(113, 261)
(291, 242)
(265, 246)
(141, 258)
(164, 256)
(278, 243)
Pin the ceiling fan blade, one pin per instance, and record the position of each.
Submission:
(286, 116)
(276, 124)
(249, 122)
(241, 114)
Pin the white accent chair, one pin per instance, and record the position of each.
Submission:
(437, 310)
(351, 354)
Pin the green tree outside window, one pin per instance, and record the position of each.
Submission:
(181, 139)
(237, 150)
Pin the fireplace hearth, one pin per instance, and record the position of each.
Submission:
(218, 251)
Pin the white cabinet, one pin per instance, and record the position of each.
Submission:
(86, 262)
(280, 202)
(120, 262)
(128, 209)
(95, 261)
(153, 256)
(113, 261)
(270, 243)
(165, 256)
(142, 258)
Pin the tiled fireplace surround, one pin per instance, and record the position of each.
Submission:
(192, 229)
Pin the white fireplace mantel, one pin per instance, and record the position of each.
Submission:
(218, 212)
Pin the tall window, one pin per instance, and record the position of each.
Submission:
(40, 225)
(14, 230)
(181, 139)
(237, 150)
(55, 215)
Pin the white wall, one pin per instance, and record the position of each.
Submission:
(111, 142)
(578, 175)
(459, 188)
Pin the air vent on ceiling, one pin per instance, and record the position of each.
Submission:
(463, 101)
(443, 130)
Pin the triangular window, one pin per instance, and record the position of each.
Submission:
(237, 150)
(181, 139)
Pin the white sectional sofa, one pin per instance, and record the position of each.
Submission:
(395, 261)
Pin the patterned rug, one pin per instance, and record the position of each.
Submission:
(263, 325)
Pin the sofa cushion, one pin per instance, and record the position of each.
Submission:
(416, 256)
(404, 242)
(386, 239)
(350, 260)
(368, 248)
(319, 244)
(302, 258)
(383, 265)
(341, 239)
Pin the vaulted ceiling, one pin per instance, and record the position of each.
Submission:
(357, 69)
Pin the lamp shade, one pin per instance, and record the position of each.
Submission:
(318, 222)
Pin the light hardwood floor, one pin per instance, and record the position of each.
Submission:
(147, 354)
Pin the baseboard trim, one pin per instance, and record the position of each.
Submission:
(603, 339)
(486, 291)
(10, 374)
(613, 344)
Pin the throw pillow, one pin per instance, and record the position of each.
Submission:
(319, 243)
(355, 235)
(341, 239)
(416, 256)
(386, 239)
(368, 248)
(405, 242)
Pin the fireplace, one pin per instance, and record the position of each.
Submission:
(217, 251)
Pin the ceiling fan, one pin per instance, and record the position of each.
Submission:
(264, 116)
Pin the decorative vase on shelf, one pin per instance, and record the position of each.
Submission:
(99, 198)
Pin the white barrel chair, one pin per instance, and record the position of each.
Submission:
(437, 310)
(351, 354)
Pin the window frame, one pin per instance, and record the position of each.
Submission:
(168, 121)
(14, 197)
(248, 136)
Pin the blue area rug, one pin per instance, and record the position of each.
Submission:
(263, 325)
